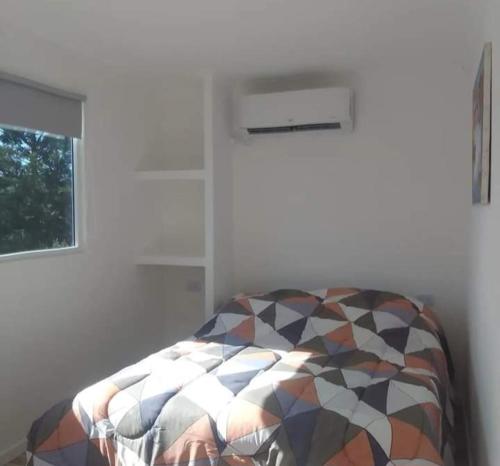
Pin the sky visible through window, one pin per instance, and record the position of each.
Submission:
(36, 191)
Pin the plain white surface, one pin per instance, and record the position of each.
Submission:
(484, 314)
(180, 261)
(171, 217)
(222, 179)
(174, 126)
(165, 175)
(259, 36)
(218, 192)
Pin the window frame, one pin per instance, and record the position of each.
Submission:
(78, 215)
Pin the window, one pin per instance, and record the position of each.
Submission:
(36, 191)
(39, 131)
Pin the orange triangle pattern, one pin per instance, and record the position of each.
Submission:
(245, 330)
(408, 442)
(246, 417)
(68, 432)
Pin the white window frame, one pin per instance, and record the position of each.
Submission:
(78, 215)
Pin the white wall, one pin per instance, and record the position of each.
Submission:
(383, 207)
(222, 192)
(68, 321)
(484, 313)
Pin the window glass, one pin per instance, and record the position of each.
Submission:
(36, 191)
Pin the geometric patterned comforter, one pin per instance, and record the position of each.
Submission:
(337, 377)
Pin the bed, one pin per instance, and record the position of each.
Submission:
(338, 377)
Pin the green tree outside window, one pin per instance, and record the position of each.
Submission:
(36, 191)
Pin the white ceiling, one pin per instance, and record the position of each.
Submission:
(250, 36)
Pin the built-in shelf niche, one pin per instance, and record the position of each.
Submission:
(173, 219)
(186, 167)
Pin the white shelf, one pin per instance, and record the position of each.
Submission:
(180, 261)
(185, 227)
(170, 175)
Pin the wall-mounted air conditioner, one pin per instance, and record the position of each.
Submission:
(291, 111)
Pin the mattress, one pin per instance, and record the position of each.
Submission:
(338, 377)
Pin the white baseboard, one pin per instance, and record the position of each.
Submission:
(13, 451)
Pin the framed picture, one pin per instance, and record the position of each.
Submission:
(481, 135)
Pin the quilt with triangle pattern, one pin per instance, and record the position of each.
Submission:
(337, 377)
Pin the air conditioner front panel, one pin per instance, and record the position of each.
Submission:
(295, 109)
